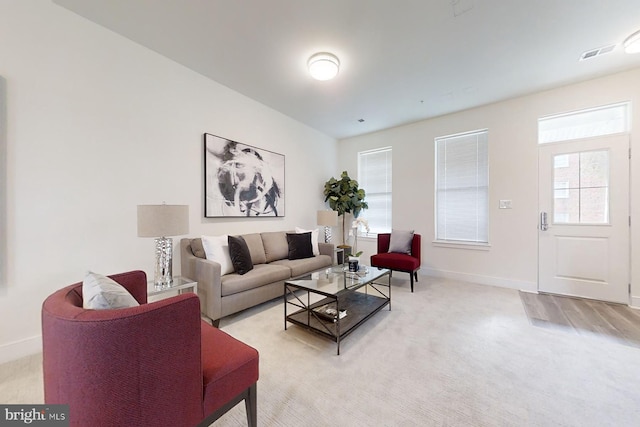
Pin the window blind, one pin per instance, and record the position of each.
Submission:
(374, 176)
(462, 187)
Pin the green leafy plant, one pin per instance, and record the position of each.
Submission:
(344, 197)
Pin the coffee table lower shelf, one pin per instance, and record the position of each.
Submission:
(359, 306)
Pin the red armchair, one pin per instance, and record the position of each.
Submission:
(157, 364)
(408, 263)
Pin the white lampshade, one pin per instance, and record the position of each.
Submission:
(323, 66)
(163, 220)
(632, 43)
(328, 218)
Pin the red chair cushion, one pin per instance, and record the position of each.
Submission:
(395, 261)
(229, 367)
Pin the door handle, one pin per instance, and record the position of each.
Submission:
(544, 226)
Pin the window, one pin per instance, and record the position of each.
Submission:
(581, 190)
(374, 176)
(598, 121)
(462, 188)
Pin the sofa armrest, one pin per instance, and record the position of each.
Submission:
(209, 287)
(208, 275)
(327, 249)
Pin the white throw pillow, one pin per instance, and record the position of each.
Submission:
(216, 249)
(102, 293)
(314, 239)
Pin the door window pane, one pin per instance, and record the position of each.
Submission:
(581, 188)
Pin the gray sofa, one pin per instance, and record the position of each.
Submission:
(222, 295)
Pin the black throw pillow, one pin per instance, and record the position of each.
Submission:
(299, 245)
(240, 255)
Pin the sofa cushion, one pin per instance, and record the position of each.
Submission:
(400, 241)
(262, 274)
(299, 245)
(314, 239)
(275, 245)
(102, 293)
(217, 249)
(299, 267)
(240, 256)
(256, 248)
(197, 248)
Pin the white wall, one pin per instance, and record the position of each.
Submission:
(512, 258)
(97, 125)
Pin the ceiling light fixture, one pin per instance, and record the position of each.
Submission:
(632, 43)
(323, 66)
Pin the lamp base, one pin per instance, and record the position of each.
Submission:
(164, 262)
(327, 234)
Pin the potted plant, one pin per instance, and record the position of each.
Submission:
(345, 197)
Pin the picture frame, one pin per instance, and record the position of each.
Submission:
(241, 180)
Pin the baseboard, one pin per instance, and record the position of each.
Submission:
(501, 282)
(19, 349)
(635, 302)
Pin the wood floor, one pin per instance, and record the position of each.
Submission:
(613, 322)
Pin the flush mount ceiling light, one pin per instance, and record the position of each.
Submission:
(323, 66)
(632, 43)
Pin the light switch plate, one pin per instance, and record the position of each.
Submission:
(505, 204)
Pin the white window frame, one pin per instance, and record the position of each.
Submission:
(589, 122)
(371, 191)
(480, 238)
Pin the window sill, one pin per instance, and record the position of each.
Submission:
(462, 245)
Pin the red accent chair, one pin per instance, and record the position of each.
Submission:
(157, 364)
(407, 263)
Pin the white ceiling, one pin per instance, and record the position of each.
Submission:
(401, 60)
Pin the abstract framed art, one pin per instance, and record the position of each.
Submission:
(241, 180)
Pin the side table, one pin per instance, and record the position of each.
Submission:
(180, 284)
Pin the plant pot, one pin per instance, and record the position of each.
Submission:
(346, 249)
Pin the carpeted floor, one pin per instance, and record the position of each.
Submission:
(450, 354)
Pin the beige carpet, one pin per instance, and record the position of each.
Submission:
(451, 354)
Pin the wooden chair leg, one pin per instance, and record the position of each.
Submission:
(251, 406)
(411, 275)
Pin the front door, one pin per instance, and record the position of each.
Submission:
(583, 236)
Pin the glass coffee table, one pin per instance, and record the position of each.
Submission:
(333, 302)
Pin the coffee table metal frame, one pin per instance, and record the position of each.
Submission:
(361, 296)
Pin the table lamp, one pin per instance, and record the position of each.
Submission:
(328, 219)
(160, 221)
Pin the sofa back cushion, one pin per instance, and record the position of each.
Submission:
(275, 245)
(256, 248)
(197, 248)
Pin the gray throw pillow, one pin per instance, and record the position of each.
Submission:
(400, 241)
(102, 293)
